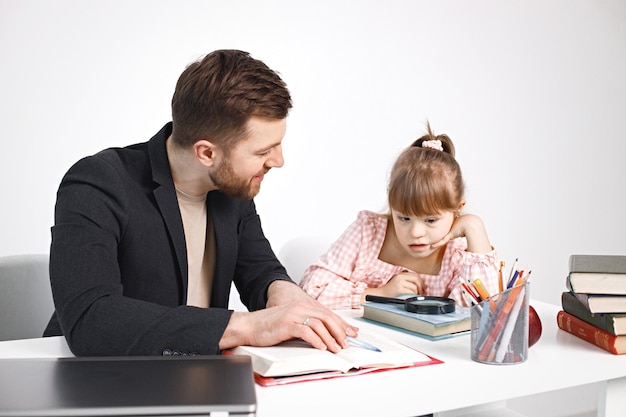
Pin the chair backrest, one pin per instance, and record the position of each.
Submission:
(299, 253)
(25, 296)
(296, 255)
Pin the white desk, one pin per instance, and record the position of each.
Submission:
(558, 361)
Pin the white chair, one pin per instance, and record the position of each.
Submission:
(299, 253)
(296, 255)
(25, 296)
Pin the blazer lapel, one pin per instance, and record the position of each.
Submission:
(226, 238)
(165, 196)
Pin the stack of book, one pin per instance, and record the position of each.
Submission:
(594, 305)
(429, 326)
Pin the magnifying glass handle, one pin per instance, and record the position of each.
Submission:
(379, 299)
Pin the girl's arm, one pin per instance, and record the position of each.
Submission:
(479, 258)
(466, 265)
(331, 289)
(331, 280)
(472, 228)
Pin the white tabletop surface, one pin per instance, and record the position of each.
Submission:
(559, 360)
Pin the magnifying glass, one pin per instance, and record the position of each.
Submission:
(422, 304)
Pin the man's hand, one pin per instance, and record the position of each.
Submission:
(285, 292)
(290, 313)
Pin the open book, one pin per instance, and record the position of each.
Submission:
(296, 360)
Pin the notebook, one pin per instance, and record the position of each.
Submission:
(128, 386)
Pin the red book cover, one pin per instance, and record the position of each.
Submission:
(591, 333)
(268, 381)
(295, 361)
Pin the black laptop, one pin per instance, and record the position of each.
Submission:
(128, 386)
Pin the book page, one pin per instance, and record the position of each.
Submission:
(392, 353)
(297, 357)
(294, 357)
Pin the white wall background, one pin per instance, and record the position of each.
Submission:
(533, 93)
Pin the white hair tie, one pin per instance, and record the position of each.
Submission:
(433, 144)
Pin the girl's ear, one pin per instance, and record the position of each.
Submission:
(206, 152)
(460, 208)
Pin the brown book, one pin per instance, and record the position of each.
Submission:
(590, 333)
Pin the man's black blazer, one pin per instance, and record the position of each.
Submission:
(118, 262)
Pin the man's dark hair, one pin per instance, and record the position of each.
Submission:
(217, 95)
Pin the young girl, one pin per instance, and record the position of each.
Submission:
(425, 245)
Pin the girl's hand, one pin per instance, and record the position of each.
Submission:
(403, 283)
(470, 227)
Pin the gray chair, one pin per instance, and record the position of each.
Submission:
(25, 296)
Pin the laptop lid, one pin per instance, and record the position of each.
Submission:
(128, 386)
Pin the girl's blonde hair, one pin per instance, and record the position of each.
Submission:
(425, 180)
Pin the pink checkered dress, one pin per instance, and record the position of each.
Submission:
(351, 265)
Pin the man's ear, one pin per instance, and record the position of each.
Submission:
(206, 152)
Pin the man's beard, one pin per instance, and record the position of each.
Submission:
(227, 181)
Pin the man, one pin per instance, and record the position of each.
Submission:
(148, 238)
